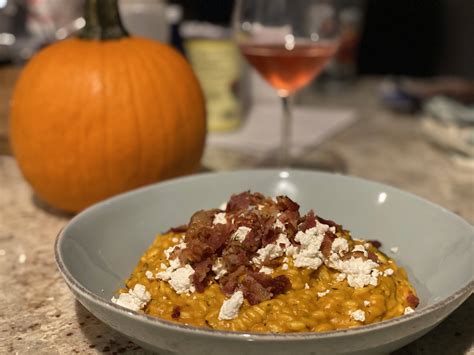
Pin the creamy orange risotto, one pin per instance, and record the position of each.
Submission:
(256, 264)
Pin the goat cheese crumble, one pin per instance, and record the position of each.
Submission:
(219, 218)
(358, 315)
(241, 233)
(136, 298)
(308, 254)
(359, 272)
(219, 268)
(230, 307)
(266, 270)
(324, 293)
(361, 249)
(180, 280)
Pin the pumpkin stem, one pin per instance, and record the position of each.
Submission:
(102, 20)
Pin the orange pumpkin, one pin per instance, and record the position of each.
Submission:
(92, 118)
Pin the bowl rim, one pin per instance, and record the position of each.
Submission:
(76, 286)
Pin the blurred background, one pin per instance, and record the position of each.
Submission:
(419, 50)
(418, 38)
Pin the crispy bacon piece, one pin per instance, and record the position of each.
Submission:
(238, 202)
(201, 269)
(308, 222)
(258, 287)
(270, 237)
(375, 243)
(412, 300)
(252, 242)
(269, 209)
(263, 279)
(176, 312)
(195, 251)
(287, 204)
(372, 256)
(290, 220)
(275, 285)
(233, 256)
(257, 199)
(230, 282)
(326, 244)
(218, 236)
(200, 222)
(179, 229)
(254, 292)
(280, 284)
(202, 218)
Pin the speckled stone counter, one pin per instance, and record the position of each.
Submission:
(39, 315)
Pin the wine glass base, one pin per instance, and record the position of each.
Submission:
(314, 160)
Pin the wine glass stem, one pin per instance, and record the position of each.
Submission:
(286, 127)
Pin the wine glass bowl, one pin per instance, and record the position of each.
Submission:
(288, 42)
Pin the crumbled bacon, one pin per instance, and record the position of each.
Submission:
(252, 242)
(176, 312)
(326, 244)
(276, 285)
(412, 300)
(218, 236)
(287, 204)
(270, 237)
(179, 229)
(206, 241)
(280, 284)
(372, 256)
(254, 292)
(230, 282)
(309, 221)
(375, 243)
(234, 255)
(290, 220)
(195, 251)
(201, 269)
(238, 202)
(258, 287)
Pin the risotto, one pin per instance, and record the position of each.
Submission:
(257, 265)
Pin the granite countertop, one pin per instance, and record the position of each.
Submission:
(39, 314)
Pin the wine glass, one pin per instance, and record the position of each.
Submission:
(288, 42)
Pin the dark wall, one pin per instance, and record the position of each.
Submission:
(418, 37)
(400, 37)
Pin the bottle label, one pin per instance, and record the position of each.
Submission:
(217, 65)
